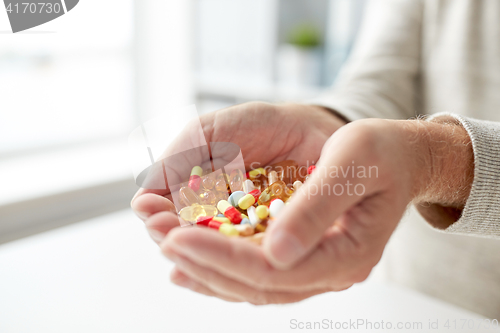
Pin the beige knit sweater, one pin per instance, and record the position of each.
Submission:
(418, 57)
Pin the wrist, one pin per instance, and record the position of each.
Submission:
(446, 163)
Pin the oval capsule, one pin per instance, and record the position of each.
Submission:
(247, 201)
(195, 178)
(236, 180)
(272, 177)
(248, 186)
(252, 216)
(223, 205)
(215, 224)
(194, 212)
(221, 219)
(188, 197)
(262, 212)
(297, 185)
(276, 206)
(235, 197)
(228, 230)
(229, 211)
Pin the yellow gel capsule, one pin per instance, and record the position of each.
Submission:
(247, 201)
(208, 181)
(188, 197)
(228, 230)
(253, 173)
(223, 205)
(197, 171)
(272, 178)
(236, 180)
(222, 183)
(208, 198)
(192, 213)
(262, 212)
(297, 185)
(224, 220)
(256, 172)
(260, 228)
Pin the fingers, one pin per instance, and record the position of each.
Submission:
(243, 261)
(210, 282)
(333, 188)
(148, 204)
(311, 211)
(160, 224)
(182, 280)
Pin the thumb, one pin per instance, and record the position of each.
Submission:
(311, 211)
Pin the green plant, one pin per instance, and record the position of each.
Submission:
(305, 35)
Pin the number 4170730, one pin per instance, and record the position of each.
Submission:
(34, 8)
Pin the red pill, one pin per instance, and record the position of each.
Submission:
(256, 194)
(194, 182)
(311, 169)
(233, 215)
(204, 220)
(195, 179)
(214, 225)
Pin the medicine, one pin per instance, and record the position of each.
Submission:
(260, 228)
(208, 198)
(222, 183)
(188, 197)
(229, 203)
(208, 181)
(195, 179)
(204, 220)
(256, 172)
(248, 186)
(235, 197)
(252, 216)
(297, 185)
(228, 230)
(262, 212)
(245, 230)
(256, 194)
(277, 190)
(194, 212)
(272, 177)
(229, 211)
(247, 201)
(215, 224)
(222, 219)
(276, 206)
(236, 180)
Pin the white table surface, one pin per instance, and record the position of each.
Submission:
(105, 275)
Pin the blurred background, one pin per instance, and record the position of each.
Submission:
(73, 89)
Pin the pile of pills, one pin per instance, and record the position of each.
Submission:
(239, 205)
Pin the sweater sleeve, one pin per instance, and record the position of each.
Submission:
(481, 214)
(379, 78)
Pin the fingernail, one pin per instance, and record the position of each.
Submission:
(185, 283)
(285, 248)
(142, 215)
(156, 235)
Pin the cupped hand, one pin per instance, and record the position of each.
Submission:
(331, 234)
(266, 133)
